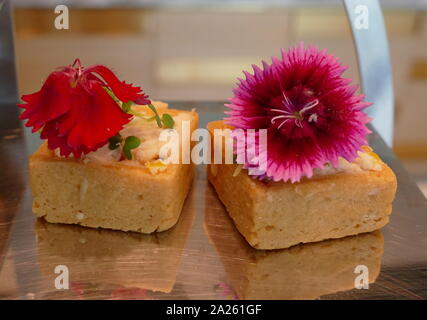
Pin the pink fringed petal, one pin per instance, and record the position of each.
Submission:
(313, 115)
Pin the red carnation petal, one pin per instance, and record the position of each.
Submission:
(76, 113)
(142, 100)
(49, 103)
(92, 120)
(123, 91)
(55, 140)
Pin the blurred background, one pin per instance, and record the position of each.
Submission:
(195, 50)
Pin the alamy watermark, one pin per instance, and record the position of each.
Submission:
(62, 281)
(362, 280)
(361, 20)
(224, 146)
(62, 20)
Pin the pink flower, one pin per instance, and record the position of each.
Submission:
(312, 114)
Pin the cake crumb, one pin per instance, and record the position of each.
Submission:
(83, 189)
(156, 166)
(80, 215)
(373, 192)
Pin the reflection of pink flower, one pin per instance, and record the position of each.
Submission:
(312, 114)
(226, 290)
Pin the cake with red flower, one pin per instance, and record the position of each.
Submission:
(318, 178)
(101, 164)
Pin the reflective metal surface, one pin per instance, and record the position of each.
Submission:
(203, 256)
(8, 86)
(370, 38)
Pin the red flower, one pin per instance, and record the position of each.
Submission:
(74, 110)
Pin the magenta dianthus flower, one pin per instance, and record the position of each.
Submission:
(312, 114)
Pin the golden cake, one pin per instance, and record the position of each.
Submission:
(300, 169)
(111, 156)
(335, 203)
(143, 194)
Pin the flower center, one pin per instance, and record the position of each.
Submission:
(76, 71)
(286, 114)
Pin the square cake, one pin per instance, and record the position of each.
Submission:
(336, 202)
(104, 190)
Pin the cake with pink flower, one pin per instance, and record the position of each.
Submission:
(318, 179)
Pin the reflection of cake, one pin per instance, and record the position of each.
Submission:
(306, 271)
(102, 164)
(106, 259)
(318, 179)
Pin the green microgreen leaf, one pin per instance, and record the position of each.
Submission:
(114, 142)
(112, 95)
(131, 142)
(126, 106)
(153, 108)
(140, 115)
(168, 120)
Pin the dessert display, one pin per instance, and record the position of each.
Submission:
(319, 179)
(99, 258)
(305, 271)
(101, 165)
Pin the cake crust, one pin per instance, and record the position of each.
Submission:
(277, 215)
(108, 195)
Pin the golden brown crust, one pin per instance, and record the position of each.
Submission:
(113, 195)
(278, 215)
